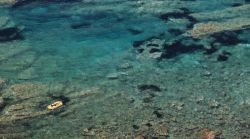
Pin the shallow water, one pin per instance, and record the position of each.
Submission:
(95, 46)
(125, 69)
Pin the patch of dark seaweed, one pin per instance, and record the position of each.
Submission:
(236, 4)
(80, 25)
(158, 114)
(9, 34)
(210, 50)
(175, 32)
(153, 50)
(228, 38)
(180, 46)
(136, 44)
(134, 31)
(148, 87)
(183, 14)
(223, 56)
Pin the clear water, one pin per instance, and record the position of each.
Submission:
(95, 47)
(84, 54)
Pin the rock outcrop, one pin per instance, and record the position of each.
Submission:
(228, 19)
(204, 29)
(150, 49)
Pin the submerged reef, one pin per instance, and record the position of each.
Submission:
(209, 26)
(203, 29)
(150, 49)
(8, 2)
(124, 69)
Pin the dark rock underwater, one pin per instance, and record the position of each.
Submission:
(139, 69)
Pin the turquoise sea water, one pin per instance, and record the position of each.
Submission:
(125, 69)
(96, 45)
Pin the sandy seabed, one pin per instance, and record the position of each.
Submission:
(125, 69)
